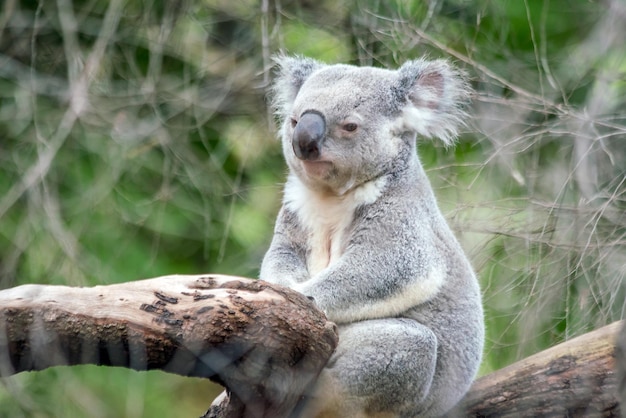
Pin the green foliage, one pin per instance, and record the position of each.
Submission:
(135, 141)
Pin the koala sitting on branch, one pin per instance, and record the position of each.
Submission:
(361, 234)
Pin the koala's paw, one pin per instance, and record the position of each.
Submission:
(300, 288)
(305, 290)
(309, 297)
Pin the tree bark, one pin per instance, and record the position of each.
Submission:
(263, 342)
(621, 367)
(574, 379)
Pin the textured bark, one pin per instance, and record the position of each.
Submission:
(621, 367)
(264, 343)
(574, 379)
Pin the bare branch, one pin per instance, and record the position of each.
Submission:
(574, 379)
(263, 342)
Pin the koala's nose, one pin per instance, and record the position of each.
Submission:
(308, 136)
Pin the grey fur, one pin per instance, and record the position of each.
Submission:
(361, 233)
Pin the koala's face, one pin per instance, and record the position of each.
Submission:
(346, 125)
(339, 133)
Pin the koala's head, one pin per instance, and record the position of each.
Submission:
(344, 125)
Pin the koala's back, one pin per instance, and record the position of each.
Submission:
(454, 313)
(455, 316)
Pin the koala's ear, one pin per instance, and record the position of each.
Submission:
(432, 96)
(291, 74)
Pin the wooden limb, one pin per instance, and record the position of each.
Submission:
(263, 342)
(621, 367)
(266, 344)
(574, 379)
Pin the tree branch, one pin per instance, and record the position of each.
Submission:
(574, 379)
(263, 342)
(620, 359)
(266, 344)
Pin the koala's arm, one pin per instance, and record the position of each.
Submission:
(385, 270)
(285, 261)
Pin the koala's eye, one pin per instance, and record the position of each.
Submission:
(294, 122)
(350, 127)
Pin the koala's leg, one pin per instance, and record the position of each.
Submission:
(382, 368)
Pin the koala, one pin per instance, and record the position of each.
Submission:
(361, 234)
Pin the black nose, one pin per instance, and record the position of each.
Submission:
(308, 136)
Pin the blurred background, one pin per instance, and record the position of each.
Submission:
(135, 142)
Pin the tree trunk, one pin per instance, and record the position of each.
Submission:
(263, 342)
(574, 379)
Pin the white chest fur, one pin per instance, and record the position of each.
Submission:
(327, 217)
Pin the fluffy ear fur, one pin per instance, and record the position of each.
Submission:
(433, 94)
(292, 72)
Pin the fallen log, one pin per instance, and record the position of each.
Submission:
(263, 342)
(574, 379)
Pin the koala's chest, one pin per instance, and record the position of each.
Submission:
(328, 221)
(327, 243)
